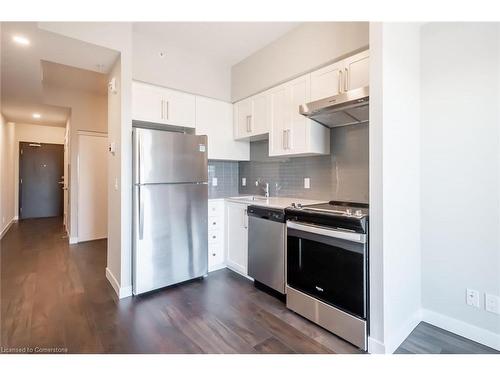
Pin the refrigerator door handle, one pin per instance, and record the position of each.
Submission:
(141, 213)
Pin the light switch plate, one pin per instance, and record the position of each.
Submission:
(214, 181)
(243, 181)
(492, 303)
(307, 183)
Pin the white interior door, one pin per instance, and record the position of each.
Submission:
(92, 186)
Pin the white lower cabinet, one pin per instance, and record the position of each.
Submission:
(216, 228)
(237, 237)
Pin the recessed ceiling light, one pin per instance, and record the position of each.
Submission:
(21, 40)
(36, 115)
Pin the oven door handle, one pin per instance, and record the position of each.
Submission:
(328, 232)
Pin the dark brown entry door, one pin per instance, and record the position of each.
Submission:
(41, 169)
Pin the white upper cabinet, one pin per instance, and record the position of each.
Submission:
(214, 118)
(252, 117)
(279, 121)
(291, 133)
(163, 106)
(357, 69)
(348, 74)
(327, 81)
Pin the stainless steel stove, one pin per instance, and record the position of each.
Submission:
(327, 267)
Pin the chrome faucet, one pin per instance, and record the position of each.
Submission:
(266, 190)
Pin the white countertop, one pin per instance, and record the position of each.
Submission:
(272, 202)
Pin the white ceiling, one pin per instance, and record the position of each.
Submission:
(225, 42)
(21, 70)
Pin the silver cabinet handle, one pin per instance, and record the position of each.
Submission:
(288, 139)
(346, 80)
(162, 110)
(340, 81)
(249, 125)
(284, 139)
(245, 219)
(167, 110)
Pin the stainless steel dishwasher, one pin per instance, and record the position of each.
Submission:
(266, 246)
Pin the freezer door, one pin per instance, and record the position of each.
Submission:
(170, 235)
(169, 157)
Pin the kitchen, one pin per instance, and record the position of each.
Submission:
(246, 195)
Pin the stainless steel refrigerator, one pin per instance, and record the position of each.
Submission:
(170, 197)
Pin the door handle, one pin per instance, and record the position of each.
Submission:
(346, 80)
(340, 81)
(249, 126)
(60, 182)
(141, 214)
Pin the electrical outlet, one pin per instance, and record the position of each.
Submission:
(472, 297)
(492, 303)
(307, 183)
(243, 181)
(214, 181)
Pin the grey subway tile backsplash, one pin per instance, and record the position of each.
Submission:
(226, 173)
(342, 175)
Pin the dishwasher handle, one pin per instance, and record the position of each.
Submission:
(266, 213)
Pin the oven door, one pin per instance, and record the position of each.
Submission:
(328, 264)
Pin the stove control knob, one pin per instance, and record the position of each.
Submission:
(348, 212)
(299, 205)
(359, 213)
(293, 204)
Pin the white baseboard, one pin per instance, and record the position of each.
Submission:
(121, 292)
(393, 341)
(16, 218)
(217, 267)
(462, 328)
(7, 227)
(73, 240)
(396, 338)
(375, 346)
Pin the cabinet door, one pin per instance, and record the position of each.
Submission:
(297, 133)
(280, 115)
(357, 70)
(147, 103)
(237, 236)
(243, 118)
(178, 108)
(214, 118)
(261, 114)
(327, 81)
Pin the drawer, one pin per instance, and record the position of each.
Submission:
(215, 208)
(215, 256)
(215, 236)
(215, 223)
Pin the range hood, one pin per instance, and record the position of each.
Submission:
(349, 108)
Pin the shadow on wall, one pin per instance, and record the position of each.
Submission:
(342, 175)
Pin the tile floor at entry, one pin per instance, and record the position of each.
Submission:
(56, 295)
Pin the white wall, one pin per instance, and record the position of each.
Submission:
(32, 133)
(460, 169)
(394, 183)
(7, 210)
(88, 112)
(117, 36)
(301, 50)
(181, 69)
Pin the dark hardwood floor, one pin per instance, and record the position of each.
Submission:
(54, 295)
